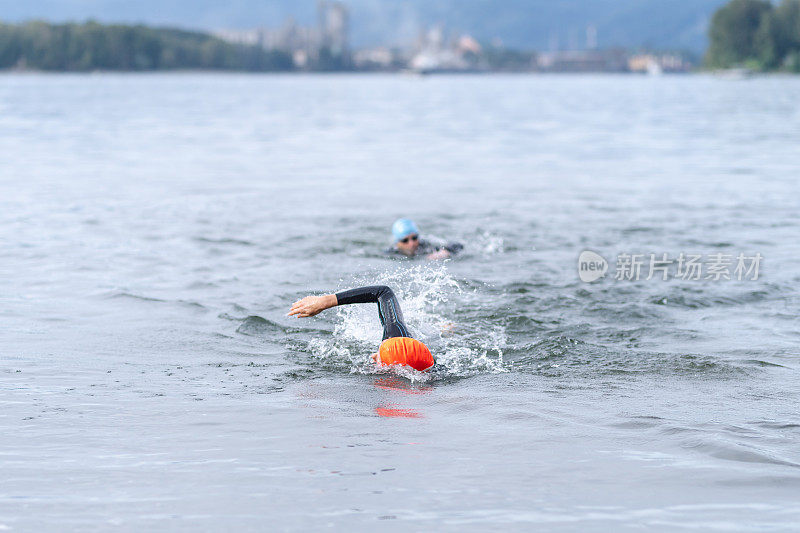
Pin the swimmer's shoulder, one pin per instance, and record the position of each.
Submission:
(427, 247)
(453, 247)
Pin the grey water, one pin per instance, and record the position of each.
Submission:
(155, 229)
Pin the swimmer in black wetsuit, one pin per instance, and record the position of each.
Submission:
(408, 243)
(388, 307)
(398, 347)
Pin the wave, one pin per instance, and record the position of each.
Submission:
(706, 297)
(123, 295)
(224, 240)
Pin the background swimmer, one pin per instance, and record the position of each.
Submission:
(407, 242)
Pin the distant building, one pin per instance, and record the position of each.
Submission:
(467, 44)
(324, 46)
(380, 58)
(658, 63)
(434, 53)
(304, 43)
(333, 26)
(591, 37)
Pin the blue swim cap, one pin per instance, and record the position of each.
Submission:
(403, 227)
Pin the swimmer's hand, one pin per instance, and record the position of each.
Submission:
(435, 256)
(312, 305)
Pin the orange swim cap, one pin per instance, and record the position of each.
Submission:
(405, 351)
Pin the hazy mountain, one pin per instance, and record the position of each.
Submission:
(538, 24)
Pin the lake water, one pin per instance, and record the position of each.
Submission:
(155, 229)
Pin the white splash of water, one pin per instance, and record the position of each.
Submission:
(481, 352)
(479, 242)
(427, 294)
(489, 244)
(422, 291)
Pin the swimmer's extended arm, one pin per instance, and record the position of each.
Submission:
(312, 305)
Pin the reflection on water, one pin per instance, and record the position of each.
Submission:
(395, 412)
(392, 405)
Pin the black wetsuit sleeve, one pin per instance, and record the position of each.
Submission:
(361, 295)
(388, 307)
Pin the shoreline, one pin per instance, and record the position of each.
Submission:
(715, 72)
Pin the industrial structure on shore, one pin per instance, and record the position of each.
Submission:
(325, 46)
(309, 46)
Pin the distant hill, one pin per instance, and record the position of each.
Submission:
(538, 24)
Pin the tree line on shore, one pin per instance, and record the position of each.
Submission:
(38, 45)
(756, 34)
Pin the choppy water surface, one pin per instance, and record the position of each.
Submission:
(155, 229)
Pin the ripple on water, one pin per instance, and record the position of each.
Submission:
(559, 356)
(224, 240)
(471, 329)
(689, 297)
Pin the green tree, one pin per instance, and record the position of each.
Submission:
(778, 37)
(787, 31)
(733, 32)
